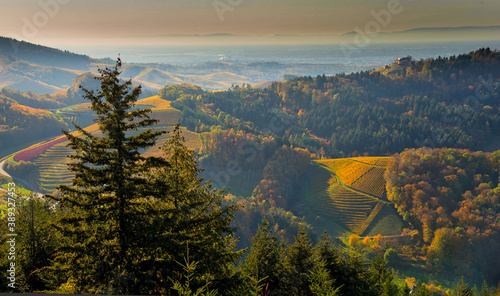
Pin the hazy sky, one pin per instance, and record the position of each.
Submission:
(50, 20)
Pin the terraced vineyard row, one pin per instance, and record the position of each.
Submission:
(162, 110)
(166, 116)
(378, 161)
(330, 198)
(192, 141)
(156, 102)
(365, 174)
(348, 170)
(342, 205)
(53, 162)
(319, 179)
(372, 182)
(370, 218)
(336, 164)
(52, 159)
(53, 169)
(348, 190)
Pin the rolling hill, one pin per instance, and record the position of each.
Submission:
(20, 125)
(29, 67)
(50, 157)
(28, 76)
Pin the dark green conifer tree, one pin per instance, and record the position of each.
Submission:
(105, 211)
(264, 262)
(382, 277)
(35, 244)
(325, 250)
(462, 288)
(191, 222)
(299, 263)
(485, 290)
(321, 282)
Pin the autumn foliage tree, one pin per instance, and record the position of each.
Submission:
(451, 196)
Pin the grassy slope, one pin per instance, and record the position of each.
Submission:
(318, 177)
(387, 222)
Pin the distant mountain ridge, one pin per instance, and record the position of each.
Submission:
(434, 34)
(452, 28)
(439, 29)
(44, 55)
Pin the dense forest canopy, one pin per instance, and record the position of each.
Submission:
(452, 197)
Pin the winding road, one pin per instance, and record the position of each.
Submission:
(2, 172)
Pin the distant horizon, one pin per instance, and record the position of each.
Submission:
(416, 35)
(65, 22)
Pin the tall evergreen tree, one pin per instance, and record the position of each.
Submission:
(35, 244)
(105, 209)
(299, 263)
(264, 263)
(347, 270)
(190, 222)
(462, 288)
(485, 290)
(382, 277)
(327, 251)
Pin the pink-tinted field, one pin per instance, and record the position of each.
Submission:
(29, 154)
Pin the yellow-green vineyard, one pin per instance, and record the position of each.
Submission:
(348, 191)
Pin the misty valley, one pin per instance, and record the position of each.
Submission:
(264, 173)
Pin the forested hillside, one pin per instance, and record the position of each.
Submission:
(452, 197)
(21, 124)
(43, 55)
(446, 102)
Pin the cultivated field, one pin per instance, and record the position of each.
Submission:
(349, 191)
(364, 174)
(53, 168)
(79, 114)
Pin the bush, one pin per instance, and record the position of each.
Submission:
(391, 257)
